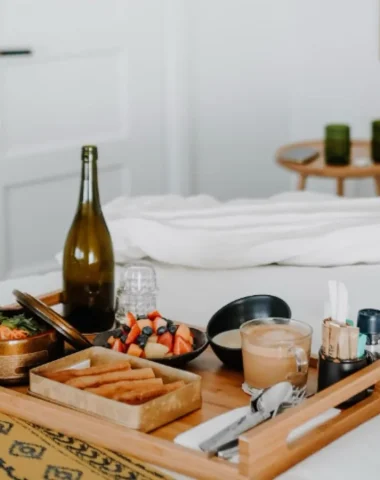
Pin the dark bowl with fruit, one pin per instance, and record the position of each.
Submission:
(155, 338)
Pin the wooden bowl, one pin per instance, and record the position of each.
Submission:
(17, 357)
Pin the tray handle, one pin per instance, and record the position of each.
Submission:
(50, 299)
(264, 450)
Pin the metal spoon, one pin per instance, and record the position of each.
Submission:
(262, 408)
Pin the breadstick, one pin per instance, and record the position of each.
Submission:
(139, 396)
(64, 375)
(111, 389)
(111, 377)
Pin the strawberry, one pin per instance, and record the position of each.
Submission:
(135, 350)
(144, 322)
(184, 332)
(133, 334)
(159, 322)
(154, 314)
(118, 346)
(181, 346)
(130, 320)
(167, 340)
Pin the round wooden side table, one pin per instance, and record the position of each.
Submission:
(317, 168)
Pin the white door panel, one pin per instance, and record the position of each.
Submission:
(95, 76)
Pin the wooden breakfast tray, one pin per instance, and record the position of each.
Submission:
(264, 451)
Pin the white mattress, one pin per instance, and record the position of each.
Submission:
(194, 295)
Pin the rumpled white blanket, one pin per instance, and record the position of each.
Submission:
(297, 228)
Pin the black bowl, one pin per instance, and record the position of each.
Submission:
(177, 361)
(234, 314)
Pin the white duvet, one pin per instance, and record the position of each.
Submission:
(298, 228)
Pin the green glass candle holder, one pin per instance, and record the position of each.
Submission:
(337, 145)
(375, 142)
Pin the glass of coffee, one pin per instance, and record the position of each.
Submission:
(275, 350)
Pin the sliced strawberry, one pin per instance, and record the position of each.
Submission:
(133, 334)
(166, 339)
(130, 320)
(144, 322)
(118, 346)
(184, 332)
(181, 346)
(159, 322)
(135, 350)
(154, 314)
(111, 340)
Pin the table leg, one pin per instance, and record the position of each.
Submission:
(340, 187)
(301, 182)
(377, 184)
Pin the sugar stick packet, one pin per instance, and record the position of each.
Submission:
(326, 336)
(334, 338)
(353, 335)
(343, 344)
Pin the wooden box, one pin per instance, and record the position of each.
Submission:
(145, 417)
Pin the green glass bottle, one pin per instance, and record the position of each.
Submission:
(337, 145)
(88, 260)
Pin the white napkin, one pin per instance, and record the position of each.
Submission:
(195, 436)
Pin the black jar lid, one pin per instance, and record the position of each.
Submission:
(369, 321)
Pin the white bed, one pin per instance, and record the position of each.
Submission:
(192, 296)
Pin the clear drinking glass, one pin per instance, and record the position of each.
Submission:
(137, 291)
(275, 350)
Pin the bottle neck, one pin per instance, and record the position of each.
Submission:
(89, 191)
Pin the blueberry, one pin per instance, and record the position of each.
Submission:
(123, 338)
(117, 333)
(172, 328)
(161, 330)
(142, 340)
(169, 322)
(126, 329)
(147, 331)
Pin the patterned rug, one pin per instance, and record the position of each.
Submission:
(30, 452)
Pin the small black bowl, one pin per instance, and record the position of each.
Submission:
(177, 361)
(234, 314)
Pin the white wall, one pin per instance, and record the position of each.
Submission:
(267, 72)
